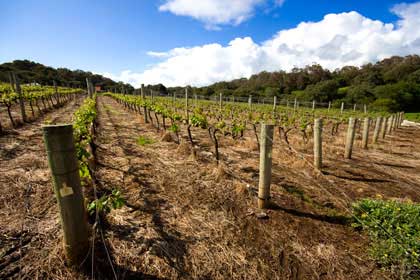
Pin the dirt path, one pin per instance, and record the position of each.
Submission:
(187, 218)
(29, 226)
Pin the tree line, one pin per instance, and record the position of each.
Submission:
(392, 84)
(32, 72)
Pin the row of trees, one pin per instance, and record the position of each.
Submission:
(392, 84)
(31, 72)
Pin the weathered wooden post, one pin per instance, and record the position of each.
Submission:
(11, 80)
(350, 138)
(56, 92)
(67, 187)
(365, 108)
(389, 125)
(377, 128)
(329, 106)
(89, 88)
(143, 97)
(250, 102)
(266, 145)
(383, 127)
(295, 105)
(142, 91)
(365, 136)
(220, 101)
(395, 122)
(313, 105)
(318, 143)
(274, 103)
(342, 107)
(354, 107)
(20, 95)
(186, 104)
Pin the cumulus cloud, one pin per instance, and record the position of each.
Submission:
(215, 12)
(335, 41)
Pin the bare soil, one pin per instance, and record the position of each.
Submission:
(188, 218)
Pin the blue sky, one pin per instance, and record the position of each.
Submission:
(114, 37)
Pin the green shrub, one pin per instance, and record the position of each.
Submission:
(394, 229)
(143, 140)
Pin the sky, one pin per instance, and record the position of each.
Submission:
(199, 42)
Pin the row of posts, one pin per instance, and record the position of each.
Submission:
(296, 103)
(383, 126)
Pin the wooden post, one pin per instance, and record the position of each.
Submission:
(89, 88)
(250, 101)
(350, 138)
(342, 107)
(365, 108)
(67, 187)
(329, 106)
(354, 107)
(143, 97)
(295, 105)
(383, 127)
(395, 121)
(318, 143)
(220, 101)
(389, 125)
(56, 92)
(365, 137)
(186, 103)
(142, 91)
(266, 145)
(274, 103)
(11, 80)
(313, 105)
(20, 95)
(287, 103)
(377, 128)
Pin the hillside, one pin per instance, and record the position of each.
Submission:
(29, 72)
(391, 84)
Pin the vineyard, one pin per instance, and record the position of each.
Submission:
(183, 188)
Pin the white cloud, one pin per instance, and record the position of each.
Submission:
(335, 41)
(214, 12)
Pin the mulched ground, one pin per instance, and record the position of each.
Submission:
(186, 217)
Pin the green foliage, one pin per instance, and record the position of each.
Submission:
(30, 72)
(143, 140)
(414, 117)
(106, 203)
(83, 120)
(394, 228)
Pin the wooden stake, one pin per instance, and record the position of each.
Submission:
(329, 106)
(318, 143)
(20, 95)
(250, 101)
(365, 137)
(383, 127)
(389, 125)
(376, 131)
(274, 103)
(220, 101)
(350, 138)
(313, 105)
(266, 145)
(342, 107)
(186, 104)
(67, 187)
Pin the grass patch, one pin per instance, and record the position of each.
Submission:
(394, 229)
(414, 117)
(143, 140)
(297, 192)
